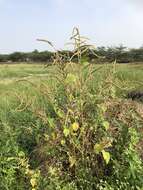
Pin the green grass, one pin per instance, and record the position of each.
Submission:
(19, 78)
(20, 70)
(11, 74)
(15, 71)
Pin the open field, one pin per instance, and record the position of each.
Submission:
(57, 133)
(132, 74)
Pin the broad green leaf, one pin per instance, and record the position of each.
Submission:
(75, 126)
(66, 132)
(21, 154)
(63, 142)
(53, 135)
(60, 113)
(98, 148)
(71, 78)
(106, 125)
(106, 156)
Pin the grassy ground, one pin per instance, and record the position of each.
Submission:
(33, 115)
(21, 78)
(10, 71)
(13, 77)
(11, 74)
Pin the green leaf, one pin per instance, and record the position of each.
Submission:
(75, 126)
(60, 113)
(98, 148)
(21, 154)
(71, 78)
(66, 132)
(63, 142)
(106, 125)
(106, 156)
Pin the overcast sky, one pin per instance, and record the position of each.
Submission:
(105, 22)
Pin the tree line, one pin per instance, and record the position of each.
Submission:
(121, 54)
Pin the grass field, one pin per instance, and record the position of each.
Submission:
(19, 79)
(37, 149)
(36, 73)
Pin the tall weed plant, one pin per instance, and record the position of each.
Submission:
(84, 147)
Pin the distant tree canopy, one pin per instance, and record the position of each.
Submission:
(17, 57)
(121, 54)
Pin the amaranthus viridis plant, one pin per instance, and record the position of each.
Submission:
(79, 133)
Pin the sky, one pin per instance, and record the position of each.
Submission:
(105, 22)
